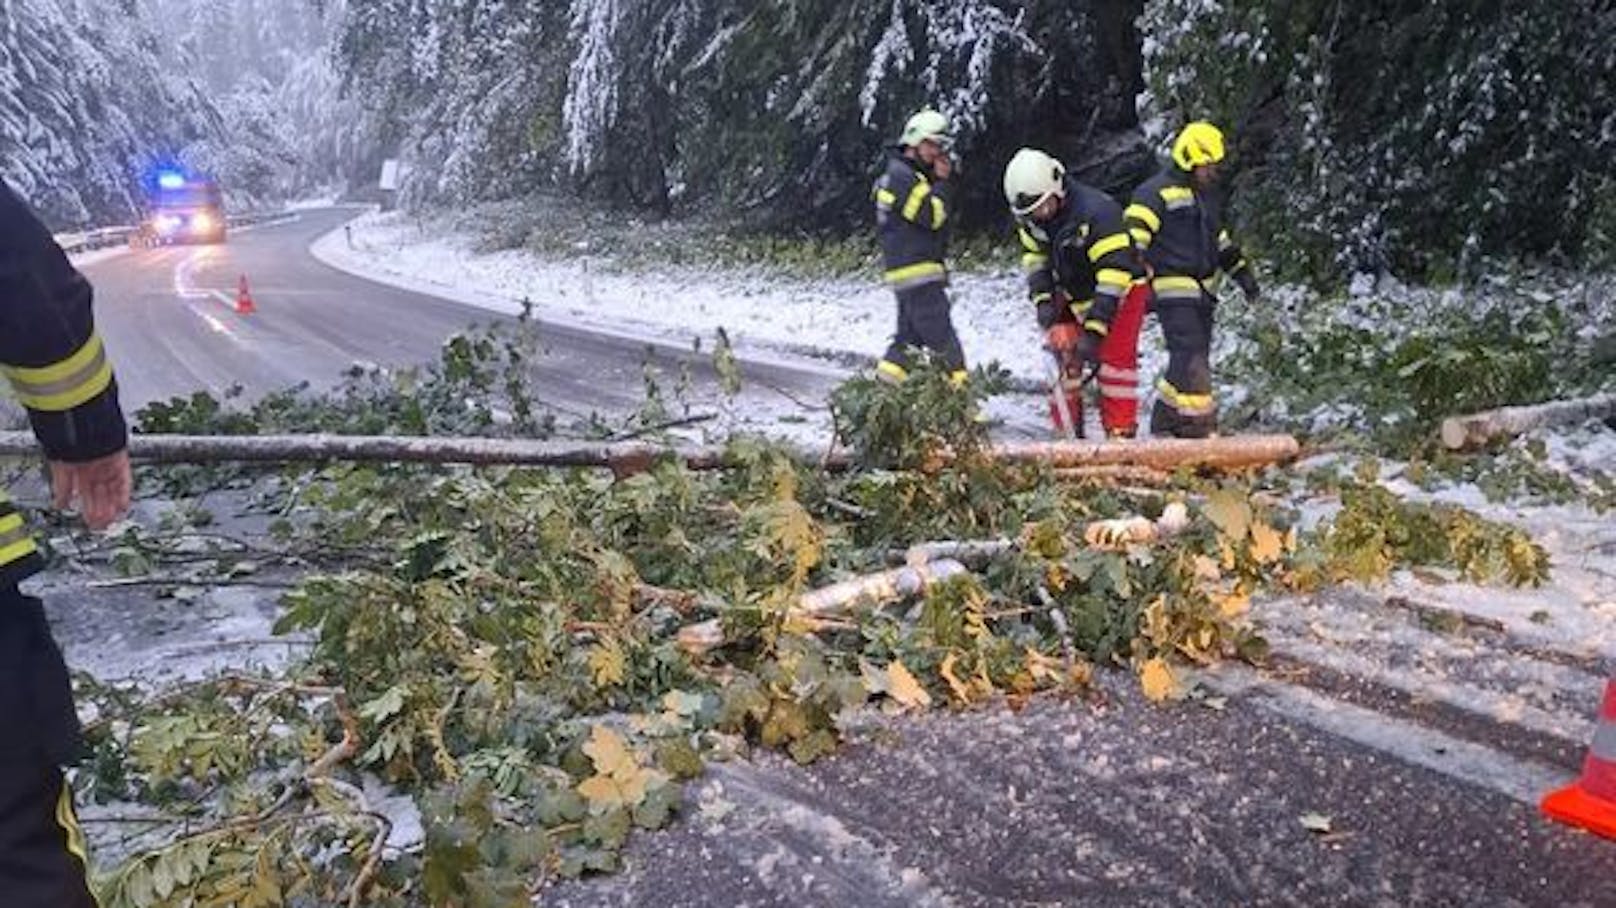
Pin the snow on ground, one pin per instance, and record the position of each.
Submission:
(1535, 659)
(832, 315)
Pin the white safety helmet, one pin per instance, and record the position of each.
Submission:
(927, 124)
(1031, 177)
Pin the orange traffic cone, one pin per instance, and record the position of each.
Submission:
(244, 300)
(1590, 802)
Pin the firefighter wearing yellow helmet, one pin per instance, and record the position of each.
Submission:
(1176, 218)
(911, 217)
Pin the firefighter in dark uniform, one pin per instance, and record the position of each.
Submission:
(1083, 277)
(59, 371)
(911, 218)
(1177, 218)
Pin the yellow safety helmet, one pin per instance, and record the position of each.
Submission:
(1199, 143)
(926, 125)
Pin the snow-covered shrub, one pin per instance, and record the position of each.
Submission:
(1422, 138)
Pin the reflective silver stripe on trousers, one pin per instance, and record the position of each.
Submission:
(1604, 746)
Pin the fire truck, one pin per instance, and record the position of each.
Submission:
(184, 209)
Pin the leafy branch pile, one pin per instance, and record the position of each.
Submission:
(1387, 368)
(505, 645)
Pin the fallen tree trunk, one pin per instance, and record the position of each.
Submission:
(838, 598)
(1467, 432)
(627, 457)
(1234, 452)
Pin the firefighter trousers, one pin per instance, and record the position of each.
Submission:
(42, 853)
(1184, 405)
(1118, 376)
(924, 322)
(1117, 373)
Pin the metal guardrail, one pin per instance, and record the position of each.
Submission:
(104, 237)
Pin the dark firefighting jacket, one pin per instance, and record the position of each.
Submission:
(1180, 229)
(53, 360)
(1083, 252)
(911, 220)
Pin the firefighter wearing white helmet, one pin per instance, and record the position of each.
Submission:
(1081, 276)
(911, 215)
(1176, 218)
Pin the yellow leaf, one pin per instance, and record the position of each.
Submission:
(607, 664)
(606, 748)
(1207, 569)
(1157, 680)
(1267, 545)
(1041, 668)
(602, 792)
(961, 691)
(1081, 674)
(902, 687)
(1230, 511)
(1226, 553)
(1055, 578)
(1234, 604)
(1156, 626)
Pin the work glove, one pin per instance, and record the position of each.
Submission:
(1088, 349)
(1049, 312)
(1063, 339)
(1248, 285)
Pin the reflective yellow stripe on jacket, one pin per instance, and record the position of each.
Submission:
(15, 541)
(66, 384)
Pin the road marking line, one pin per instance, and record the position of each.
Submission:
(1407, 741)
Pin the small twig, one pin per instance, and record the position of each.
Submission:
(243, 643)
(384, 828)
(806, 405)
(848, 508)
(667, 424)
(343, 750)
(190, 581)
(680, 601)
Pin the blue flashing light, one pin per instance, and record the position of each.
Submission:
(170, 180)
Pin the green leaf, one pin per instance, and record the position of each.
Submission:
(390, 703)
(679, 759)
(609, 828)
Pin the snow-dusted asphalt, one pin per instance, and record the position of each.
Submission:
(169, 319)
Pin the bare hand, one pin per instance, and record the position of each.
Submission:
(102, 486)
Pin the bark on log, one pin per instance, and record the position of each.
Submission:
(1234, 452)
(1115, 473)
(1231, 452)
(838, 598)
(1477, 429)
